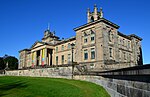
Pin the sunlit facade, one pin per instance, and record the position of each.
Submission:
(98, 46)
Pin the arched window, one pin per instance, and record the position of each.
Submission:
(92, 19)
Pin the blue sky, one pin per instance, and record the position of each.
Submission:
(22, 22)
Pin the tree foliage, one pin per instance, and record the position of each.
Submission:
(12, 62)
(2, 65)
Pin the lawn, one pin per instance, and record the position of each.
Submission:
(11, 86)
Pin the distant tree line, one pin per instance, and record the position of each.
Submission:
(8, 62)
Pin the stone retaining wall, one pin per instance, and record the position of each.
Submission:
(115, 87)
(120, 88)
(60, 72)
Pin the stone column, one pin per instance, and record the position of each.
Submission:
(47, 61)
(35, 58)
(43, 52)
(45, 56)
(40, 62)
(32, 59)
(49, 58)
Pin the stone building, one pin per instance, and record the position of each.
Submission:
(98, 46)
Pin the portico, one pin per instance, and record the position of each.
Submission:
(41, 54)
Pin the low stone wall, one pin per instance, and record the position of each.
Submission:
(115, 86)
(58, 72)
(120, 88)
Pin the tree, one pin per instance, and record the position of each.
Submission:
(12, 62)
(2, 65)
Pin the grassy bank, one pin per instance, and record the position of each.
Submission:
(48, 87)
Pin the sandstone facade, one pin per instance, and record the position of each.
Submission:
(98, 46)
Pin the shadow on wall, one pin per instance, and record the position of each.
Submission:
(10, 86)
(139, 78)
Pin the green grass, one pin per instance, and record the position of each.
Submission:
(48, 87)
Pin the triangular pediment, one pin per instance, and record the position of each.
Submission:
(37, 44)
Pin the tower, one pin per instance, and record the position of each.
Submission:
(93, 16)
(49, 36)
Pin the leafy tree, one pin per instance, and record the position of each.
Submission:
(12, 62)
(2, 65)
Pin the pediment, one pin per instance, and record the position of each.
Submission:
(37, 44)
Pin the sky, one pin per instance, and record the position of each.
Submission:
(22, 22)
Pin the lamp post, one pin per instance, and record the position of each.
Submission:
(72, 47)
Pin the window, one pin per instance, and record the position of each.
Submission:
(120, 41)
(110, 52)
(128, 44)
(92, 53)
(69, 58)
(110, 36)
(109, 33)
(92, 36)
(69, 45)
(62, 48)
(56, 60)
(56, 49)
(62, 59)
(85, 54)
(119, 54)
(124, 55)
(85, 39)
(129, 57)
(123, 42)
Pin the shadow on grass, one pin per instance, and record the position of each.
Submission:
(10, 86)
